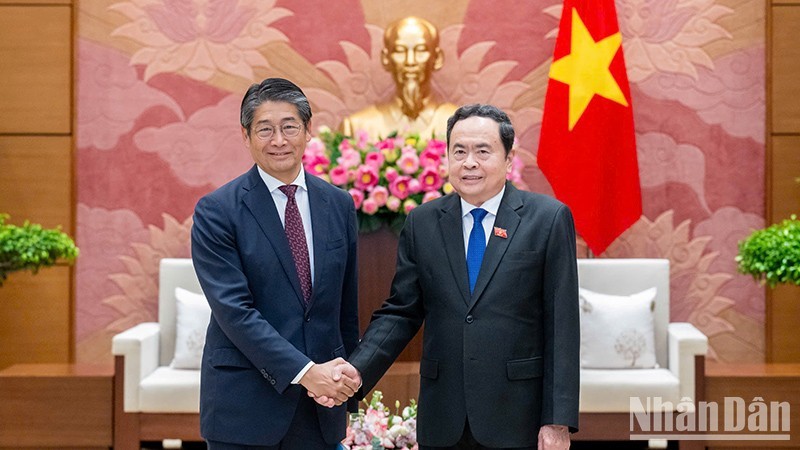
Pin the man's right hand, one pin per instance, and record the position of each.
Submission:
(333, 384)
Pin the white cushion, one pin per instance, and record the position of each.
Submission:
(193, 315)
(169, 390)
(617, 330)
(611, 390)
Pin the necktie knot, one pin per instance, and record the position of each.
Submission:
(478, 214)
(288, 190)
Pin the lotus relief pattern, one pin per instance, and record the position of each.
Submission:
(200, 39)
(694, 289)
(138, 301)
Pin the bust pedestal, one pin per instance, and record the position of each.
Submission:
(377, 255)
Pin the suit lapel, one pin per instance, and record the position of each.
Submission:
(508, 219)
(259, 201)
(318, 203)
(451, 228)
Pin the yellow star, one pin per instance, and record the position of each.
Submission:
(586, 69)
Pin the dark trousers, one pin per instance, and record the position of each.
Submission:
(304, 433)
(468, 442)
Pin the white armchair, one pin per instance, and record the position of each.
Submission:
(158, 402)
(606, 393)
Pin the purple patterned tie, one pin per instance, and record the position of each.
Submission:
(297, 240)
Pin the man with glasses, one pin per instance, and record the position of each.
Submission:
(275, 253)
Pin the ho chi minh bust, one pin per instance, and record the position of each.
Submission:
(410, 53)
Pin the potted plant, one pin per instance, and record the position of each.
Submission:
(31, 247)
(772, 254)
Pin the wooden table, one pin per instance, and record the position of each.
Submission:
(56, 406)
(771, 382)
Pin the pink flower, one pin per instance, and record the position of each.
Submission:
(350, 158)
(393, 203)
(338, 175)
(414, 186)
(430, 158)
(345, 145)
(431, 195)
(408, 162)
(369, 206)
(437, 146)
(374, 159)
(385, 144)
(358, 197)
(515, 175)
(361, 139)
(318, 165)
(315, 147)
(399, 187)
(430, 179)
(390, 174)
(380, 194)
(408, 205)
(366, 177)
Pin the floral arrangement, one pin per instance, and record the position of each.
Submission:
(378, 429)
(387, 179)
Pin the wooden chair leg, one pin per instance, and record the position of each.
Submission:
(126, 425)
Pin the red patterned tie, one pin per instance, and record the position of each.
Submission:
(297, 240)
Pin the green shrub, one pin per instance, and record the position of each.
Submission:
(772, 254)
(31, 247)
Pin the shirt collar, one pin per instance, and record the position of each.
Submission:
(491, 205)
(273, 183)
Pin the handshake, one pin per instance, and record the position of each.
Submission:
(331, 383)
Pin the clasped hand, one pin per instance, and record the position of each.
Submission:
(331, 383)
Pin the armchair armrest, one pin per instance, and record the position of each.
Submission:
(684, 342)
(139, 347)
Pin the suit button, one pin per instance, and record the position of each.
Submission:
(272, 382)
(470, 319)
(308, 318)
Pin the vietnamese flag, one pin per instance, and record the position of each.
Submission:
(587, 148)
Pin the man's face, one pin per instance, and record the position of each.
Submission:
(278, 155)
(477, 159)
(410, 54)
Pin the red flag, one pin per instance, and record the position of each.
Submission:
(587, 148)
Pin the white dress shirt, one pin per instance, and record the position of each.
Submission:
(301, 197)
(491, 206)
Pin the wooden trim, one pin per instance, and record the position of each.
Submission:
(768, 331)
(35, 2)
(126, 425)
(73, 155)
(157, 427)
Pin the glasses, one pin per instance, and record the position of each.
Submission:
(288, 130)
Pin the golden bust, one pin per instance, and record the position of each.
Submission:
(410, 54)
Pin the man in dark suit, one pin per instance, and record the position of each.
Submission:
(492, 273)
(275, 252)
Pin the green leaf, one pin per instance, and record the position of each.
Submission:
(772, 255)
(31, 247)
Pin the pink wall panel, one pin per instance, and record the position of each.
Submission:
(159, 90)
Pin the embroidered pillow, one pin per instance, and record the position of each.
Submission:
(617, 331)
(193, 315)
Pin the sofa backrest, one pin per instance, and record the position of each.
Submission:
(173, 272)
(629, 276)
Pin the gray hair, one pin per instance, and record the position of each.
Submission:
(490, 112)
(273, 90)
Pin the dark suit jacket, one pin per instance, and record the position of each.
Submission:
(506, 357)
(261, 335)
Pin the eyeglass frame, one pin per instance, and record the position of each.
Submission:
(282, 128)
